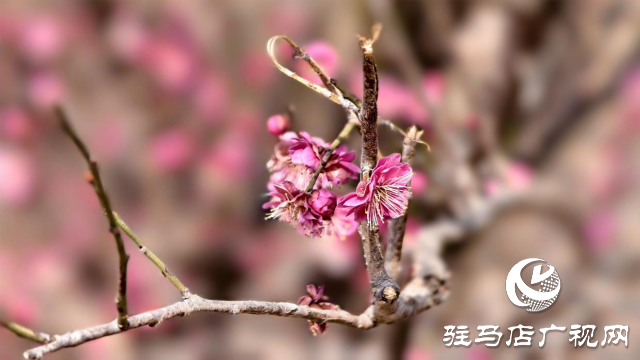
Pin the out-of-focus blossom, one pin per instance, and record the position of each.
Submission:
(415, 353)
(399, 101)
(433, 84)
(127, 36)
(318, 300)
(15, 124)
(384, 196)
(419, 183)
(517, 177)
(297, 157)
(17, 177)
(257, 69)
(171, 150)
(600, 230)
(211, 97)
(323, 54)
(309, 213)
(171, 64)
(278, 124)
(41, 38)
(45, 89)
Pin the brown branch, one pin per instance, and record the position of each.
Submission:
(397, 226)
(96, 182)
(25, 332)
(184, 291)
(385, 291)
(421, 295)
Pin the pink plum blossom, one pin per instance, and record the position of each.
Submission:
(278, 124)
(297, 157)
(384, 196)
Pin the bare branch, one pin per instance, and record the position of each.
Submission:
(198, 304)
(96, 182)
(184, 291)
(397, 226)
(421, 294)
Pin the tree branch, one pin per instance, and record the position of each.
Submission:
(98, 187)
(421, 294)
(184, 291)
(397, 226)
(385, 291)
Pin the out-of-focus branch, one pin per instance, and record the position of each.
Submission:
(153, 257)
(25, 332)
(397, 226)
(96, 181)
(385, 291)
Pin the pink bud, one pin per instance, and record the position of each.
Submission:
(278, 124)
(322, 202)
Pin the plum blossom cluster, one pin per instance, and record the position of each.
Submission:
(296, 158)
(312, 207)
(316, 299)
(579, 335)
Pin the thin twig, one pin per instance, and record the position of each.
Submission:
(25, 332)
(336, 98)
(184, 291)
(397, 226)
(96, 181)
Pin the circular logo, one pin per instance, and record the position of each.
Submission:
(547, 283)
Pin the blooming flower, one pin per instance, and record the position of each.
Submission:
(316, 299)
(384, 196)
(309, 212)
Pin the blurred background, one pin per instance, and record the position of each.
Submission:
(533, 96)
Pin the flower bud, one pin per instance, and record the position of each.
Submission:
(322, 202)
(278, 124)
